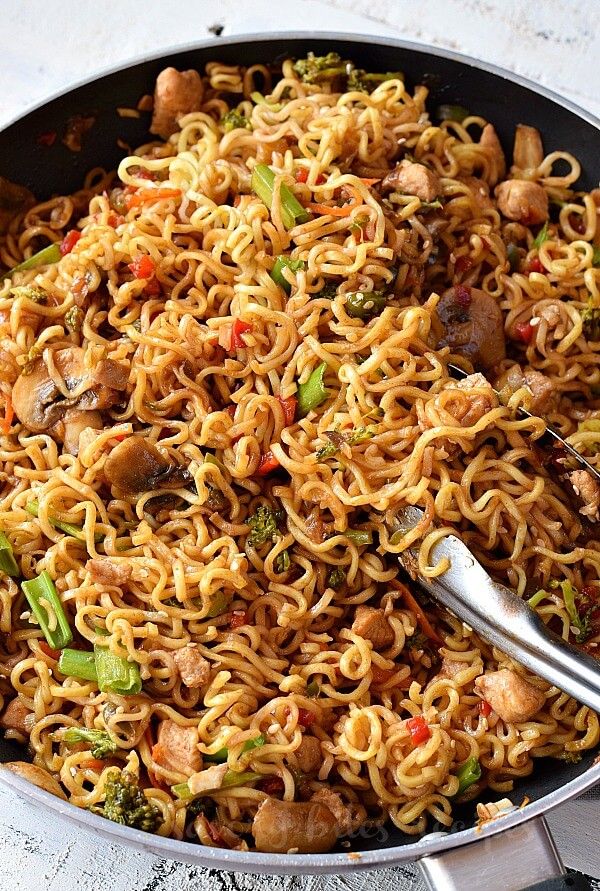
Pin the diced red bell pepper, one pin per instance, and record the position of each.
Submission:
(47, 649)
(524, 332)
(289, 408)
(535, 265)
(238, 618)
(419, 730)
(302, 176)
(268, 463)
(69, 241)
(485, 708)
(306, 718)
(142, 266)
(237, 329)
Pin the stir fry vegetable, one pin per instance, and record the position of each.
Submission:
(221, 756)
(264, 523)
(467, 774)
(359, 79)
(115, 674)
(452, 113)
(312, 392)
(235, 120)
(282, 263)
(32, 507)
(365, 304)
(125, 803)
(359, 537)
(231, 779)
(8, 564)
(45, 604)
(263, 183)
(101, 741)
(78, 664)
(321, 69)
(48, 255)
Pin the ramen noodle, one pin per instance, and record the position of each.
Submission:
(221, 384)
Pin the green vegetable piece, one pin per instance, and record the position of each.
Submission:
(36, 295)
(221, 755)
(116, 674)
(537, 598)
(8, 564)
(218, 604)
(452, 113)
(259, 99)
(321, 69)
(262, 183)
(512, 255)
(210, 459)
(359, 536)
(263, 523)
(580, 622)
(313, 689)
(590, 318)
(78, 664)
(102, 743)
(48, 255)
(467, 774)
(45, 604)
(235, 120)
(328, 291)
(125, 803)
(282, 562)
(596, 257)
(366, 82)
(232, 778)
(312, 392)
(32, 507)
(336, 578)
(542, 236)
(74, 318)
(365, 304)
(282, 263)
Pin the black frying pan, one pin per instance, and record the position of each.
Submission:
(514, 852)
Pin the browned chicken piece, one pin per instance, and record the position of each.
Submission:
(36, 775)
(14, 199)
(451, 667)
(522, 201)
(107, 571)
(73, 424)
(514, 699)
(193, 668)
(348, 817)
(135, 465)
(481, 399)
(542, 390)
(372, 624)
(309, 755)
(176, 93)
(208, 780)
(480, 192)
(489, 140)
(413, 179)
(307, 827)
(16, 716)
(588, 490)
(177, 748)
(528, 152)
(473, 325)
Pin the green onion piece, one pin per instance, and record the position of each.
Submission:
(542, 236)
(537, 598)
(221, 756)
(312, 392)
(49, 254)
(512, 255)
(596, 257)
(282, 562)
(115, 674)
(359, 536)
(8, 564)
(32, 507)
(364, 304)
(259, 99)
(467, 774)
(78, 664)
(42, 589)
(262, 183)
(210, 459)
(397, 536)
(452, 113)
(232, 778)
(581, 623)
(282, 263)
(218, 604)
(312, 689)
(182, 792)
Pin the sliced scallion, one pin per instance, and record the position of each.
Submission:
(32, 507)
(78, 664)
(49, 254)
(45, 604)
(467, 774)
(116, 674)
(221, 755)
(8, 564)
(263, 182)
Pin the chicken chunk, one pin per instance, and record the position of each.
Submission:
(308, 827)
(489, 140)
(17, 717)
(472, 325)
(177, 747)
(107, 571)
(176, 93)
(309, 755)
(522, 201)
(193, 668)
(481, 399)
(451, 667)
(372, 624)
(348, 817)
(541, 388)
(514, 699)
(588, 490)
(208, 780)
(413, 179)
(111, 374)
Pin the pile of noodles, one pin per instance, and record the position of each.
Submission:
(213, 249)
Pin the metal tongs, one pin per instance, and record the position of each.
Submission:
(504, 619)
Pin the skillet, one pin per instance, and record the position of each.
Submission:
(515, 851)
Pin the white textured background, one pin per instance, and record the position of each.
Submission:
(46, 44)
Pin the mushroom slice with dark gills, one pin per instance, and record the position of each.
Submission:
(43, 396)
(473, 325)
(136, 466)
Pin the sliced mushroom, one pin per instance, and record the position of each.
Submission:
(136, 466)
(36, 775)
(473, 325)
(528, 151)
(307, 827)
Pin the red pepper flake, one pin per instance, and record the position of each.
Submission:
(69, 241)
(462, 265)
(485, 708)
(47, 139)
(268, 463)
(289, 408)
(535, 265)
(47, 650)
(237, 329)
(238, 618)
(306, 718)
(524, 332)
(419, 730)
(272, 786)
(115, 219)
(142, 266)
(462, 295)
(302, 176)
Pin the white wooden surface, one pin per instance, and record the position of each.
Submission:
(49, 43)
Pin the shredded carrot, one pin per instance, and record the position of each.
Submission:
(143, 196)
(93, 764)
(412, 604)
(159, 754)
(9, 414)
(343, 211)
(369, 182)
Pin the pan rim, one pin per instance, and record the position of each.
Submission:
(304, 864)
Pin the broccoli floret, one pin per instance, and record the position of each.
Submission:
(263, 523)
(336, 578)
(328, 291)
(590, 316)
(125, 803)
(577, 609)
(321, 69)
(365, 82)
(102, 743)
(337, 439)
(31, 292)
(282, 562)
(235, 120)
